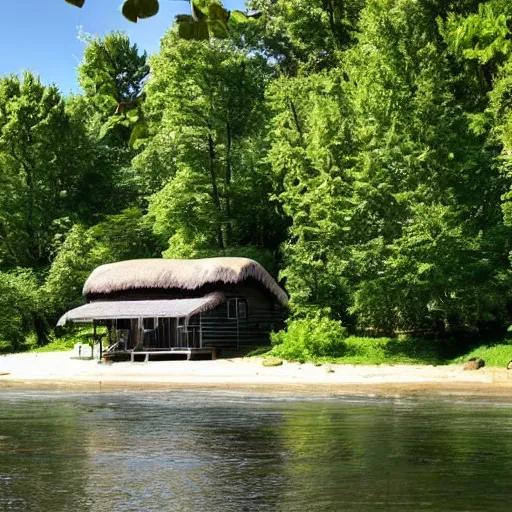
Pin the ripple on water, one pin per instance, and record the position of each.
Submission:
(196, 451)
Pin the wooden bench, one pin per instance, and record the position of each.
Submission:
(186, 351)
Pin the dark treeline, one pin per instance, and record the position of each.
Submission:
(360, 150)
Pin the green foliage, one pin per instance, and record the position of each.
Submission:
(134, 10)
(381, 350)
(310, 338)
(119, 237)
(20, 307)
(112, 66)
(361, 149)
(67, 340)
(44, 161)
(202, 159)
(497, 354)
(483, 36)
(112, 75)
(208, 19)
(394, 351)
(394, 197)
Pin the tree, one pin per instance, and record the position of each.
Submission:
(394, 209)
(480, 41)
(304, 34)
(112, 75)
(112, 68)
(118, 237)
(205, 108)
(44, 157)
(20, 308)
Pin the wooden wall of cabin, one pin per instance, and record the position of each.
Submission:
(263, 316)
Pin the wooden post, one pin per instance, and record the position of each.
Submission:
(200, 330)
(94, 339)
(237, 326)
(101, 344)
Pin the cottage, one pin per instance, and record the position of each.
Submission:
(160, 306)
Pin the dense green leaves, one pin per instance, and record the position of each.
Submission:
(394, 196)
(310, 338)
(202, 160)
(44, 162)
(19, 307)
(134, 10)
(360, 148)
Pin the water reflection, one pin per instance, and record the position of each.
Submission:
(206, 452)
(41, 462)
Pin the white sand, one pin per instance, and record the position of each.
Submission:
(58, 371)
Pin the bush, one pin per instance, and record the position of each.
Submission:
(66, 339)
(310, 338)
(19, 308)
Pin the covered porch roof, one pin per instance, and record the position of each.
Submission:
(111, 310)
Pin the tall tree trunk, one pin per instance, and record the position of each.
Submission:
(332, 22)
(227, 186)
(215, 190)
(4, 235)
(31, 230)
(296, 121)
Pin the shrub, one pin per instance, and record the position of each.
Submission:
(19, 307)
(309, 338)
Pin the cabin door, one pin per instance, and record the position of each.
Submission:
(188, 332)
(167, 328)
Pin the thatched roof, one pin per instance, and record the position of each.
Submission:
(141, 309)
(183, 274)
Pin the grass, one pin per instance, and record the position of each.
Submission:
(375, 351)
(56, 345)
(494, 354)
(65, 342)
(357, 350)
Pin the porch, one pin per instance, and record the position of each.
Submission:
(147, 329)
(189, 352)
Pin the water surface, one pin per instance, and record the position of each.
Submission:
(189, 451)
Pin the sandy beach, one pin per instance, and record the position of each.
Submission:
(58, 371)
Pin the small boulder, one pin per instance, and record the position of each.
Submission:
(474, 363)
(509, 365)
(272, 361)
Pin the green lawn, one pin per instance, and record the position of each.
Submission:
(66, 342)
(497, 354)
(373, 351)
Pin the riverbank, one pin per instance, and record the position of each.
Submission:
(57, 371)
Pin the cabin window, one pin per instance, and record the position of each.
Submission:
(242, 309)
(123, 323)
(232, 309)
(237, 309)
(148, 324)
(194, 320)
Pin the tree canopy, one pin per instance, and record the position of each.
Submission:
(359, 149)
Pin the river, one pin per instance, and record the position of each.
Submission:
(223, 452)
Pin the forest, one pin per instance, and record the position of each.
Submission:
(361, 150)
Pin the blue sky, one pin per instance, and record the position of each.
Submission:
(41, 35)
